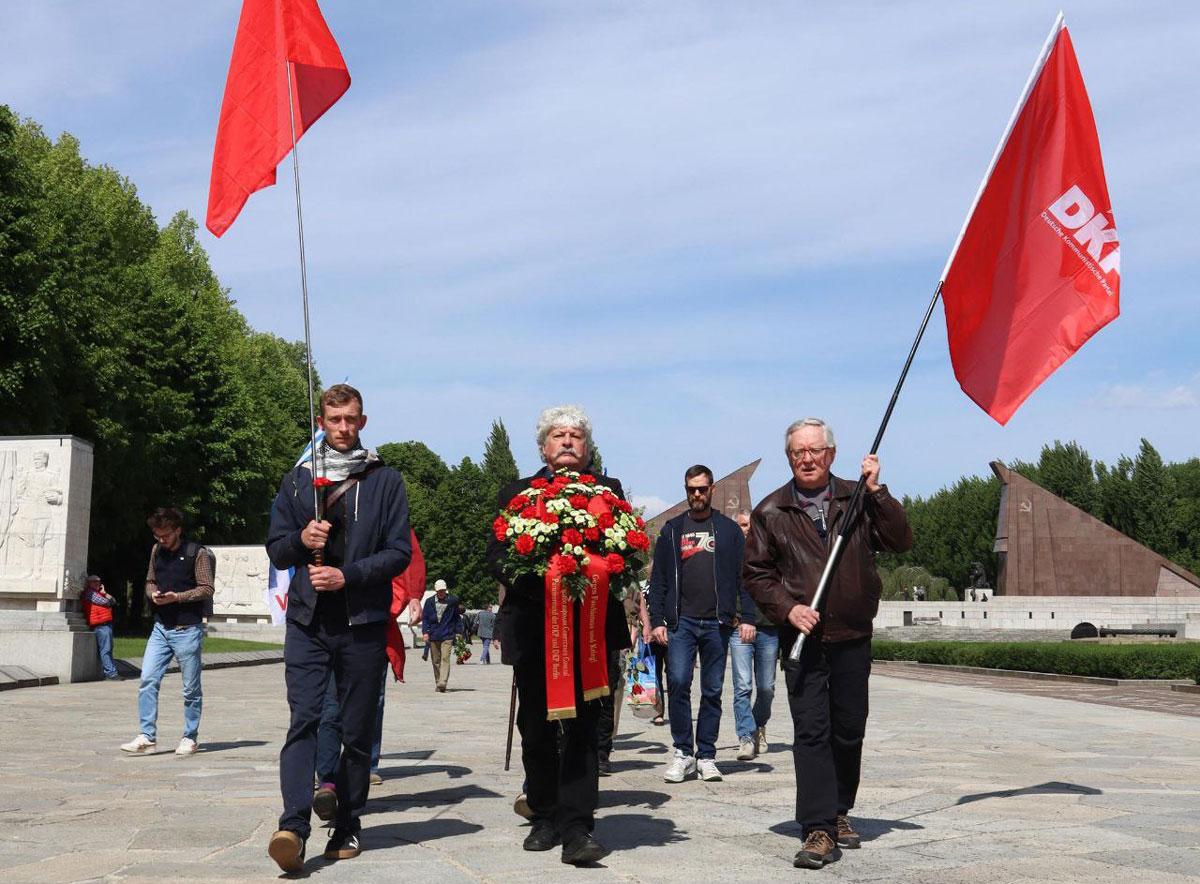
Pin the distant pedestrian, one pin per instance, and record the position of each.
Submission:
(694, 588)
(98, 609)
(754, 655)
(441, 621)
(487, 633)
(179, 583)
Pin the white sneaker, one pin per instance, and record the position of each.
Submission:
(708, 770)
(747, 750)
(187, 746)
(681, 767)
(760, 741)
(139, 745)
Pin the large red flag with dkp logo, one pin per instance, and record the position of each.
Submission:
(1036, 270)
(276, 39)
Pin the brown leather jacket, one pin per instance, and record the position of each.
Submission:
(785, 557)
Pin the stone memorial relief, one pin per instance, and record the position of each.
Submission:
(32, 520)
(241, 582)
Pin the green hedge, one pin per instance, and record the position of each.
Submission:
(1066, 658)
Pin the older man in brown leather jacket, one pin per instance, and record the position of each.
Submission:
(791, 533)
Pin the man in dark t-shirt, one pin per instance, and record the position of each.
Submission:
(693, 599)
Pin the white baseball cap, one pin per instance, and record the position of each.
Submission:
(439, 586)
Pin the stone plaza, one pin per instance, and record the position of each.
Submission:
(966, 779)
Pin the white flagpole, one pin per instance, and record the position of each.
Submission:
(1059, 24)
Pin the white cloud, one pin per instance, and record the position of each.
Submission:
(1142, 397)
(653, 505)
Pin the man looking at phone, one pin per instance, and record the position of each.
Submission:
(178, 583)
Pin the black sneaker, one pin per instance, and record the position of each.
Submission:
(324, 803)
(342, 845)
(583, 850)
(287, 849)
(604, 766)
(543, 837)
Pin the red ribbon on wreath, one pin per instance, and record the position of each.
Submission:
(560, 637)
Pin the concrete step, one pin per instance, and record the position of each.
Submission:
(12, 677)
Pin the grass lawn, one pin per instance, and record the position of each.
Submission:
(125, 647)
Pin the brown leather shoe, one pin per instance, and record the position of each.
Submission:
(287, 849)
(847, 838)
(818, 850)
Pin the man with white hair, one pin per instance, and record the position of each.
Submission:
(791, 533)
(560, 757)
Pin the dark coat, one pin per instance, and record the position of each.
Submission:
(662, 598)
(451, 623)
(378, 544)
(520, 623)
(785, 556)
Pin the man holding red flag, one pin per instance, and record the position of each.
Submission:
(559, 754)
(1036, 270)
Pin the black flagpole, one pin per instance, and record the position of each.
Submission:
(835, 554)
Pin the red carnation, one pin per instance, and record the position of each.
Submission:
(615, 563)
(524, 544)
(539, 483)
(564, 564)
(592, 534)
(518, 503)
(624, 506)
(500, 528)
(572, 537)
(322, 482)
(549, 519)
(605, 520)
(608, 496)
(529, 512)
(638, 540)
(578, 501)
(641, 523)
(587, 479)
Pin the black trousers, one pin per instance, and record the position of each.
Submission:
(356, 656)
(607, 716)
(562, 780)
(828, 700)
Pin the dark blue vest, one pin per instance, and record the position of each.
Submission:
(175, 572)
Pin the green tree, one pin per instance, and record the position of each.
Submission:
(1153, 491)
(1066, 470)
(499, 465)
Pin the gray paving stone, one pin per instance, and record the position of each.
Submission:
(961, 783)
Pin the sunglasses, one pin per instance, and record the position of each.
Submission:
(697, 489)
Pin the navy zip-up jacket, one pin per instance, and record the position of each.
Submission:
(663, 595)
(377, 543)
(446, 628)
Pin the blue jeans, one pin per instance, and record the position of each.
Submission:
(711, 640)
(753, 662)
(485, 655)
(329, 734)
(184, 645)
(104, 646)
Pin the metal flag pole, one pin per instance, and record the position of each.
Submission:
(835, 553)
(312, 425)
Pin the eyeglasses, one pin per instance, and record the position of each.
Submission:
(696, 489)
(814, 453)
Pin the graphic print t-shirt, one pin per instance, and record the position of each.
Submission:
(697, 578)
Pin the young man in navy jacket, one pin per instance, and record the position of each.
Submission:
(337, 615)
(693, 599)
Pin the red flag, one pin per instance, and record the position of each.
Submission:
(255, 129)
(1036, 270)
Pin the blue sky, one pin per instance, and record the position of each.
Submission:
(698, 220)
